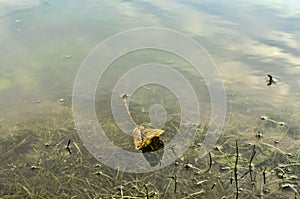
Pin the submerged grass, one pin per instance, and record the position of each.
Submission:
(253, 159)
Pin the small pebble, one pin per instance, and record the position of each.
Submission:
(281, 123)
(33, 167)
(176, 163)
(287, 186)
(263, 117)
(188, 166)
(281, 175)
(152, 194)
(266, 190)
(293, 177)
(218, 148)
(120, 187)
(98, 165)
(259, 135)
(134, 187)
(98, 173)
(289, 154)
(239, 155)
(225, 168)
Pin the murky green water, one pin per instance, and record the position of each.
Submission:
(43, 43)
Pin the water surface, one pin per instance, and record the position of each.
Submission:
(44, 42)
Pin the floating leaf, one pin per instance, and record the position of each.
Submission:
(142, 137)
(151, 133)
(137, 137)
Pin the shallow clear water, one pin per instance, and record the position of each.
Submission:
(246, 40)
(44, 42)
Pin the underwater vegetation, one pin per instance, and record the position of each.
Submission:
(254, 158)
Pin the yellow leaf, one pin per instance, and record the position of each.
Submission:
(137, 137)
(151, 133)
(142, 137)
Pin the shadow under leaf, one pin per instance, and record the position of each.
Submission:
(153, 152)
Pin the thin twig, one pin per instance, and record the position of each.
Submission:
(124, 97)
(250, 162)
(235, 170)
(121, 191)
(174, 178)
(210, 163)
(147, 194)
(68, 147)
(231, 177)
(243, 175)
(213, 186)
(264, 174)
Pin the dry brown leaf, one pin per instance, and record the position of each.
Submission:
(137, 137)
(142, 136)
(151, 133)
